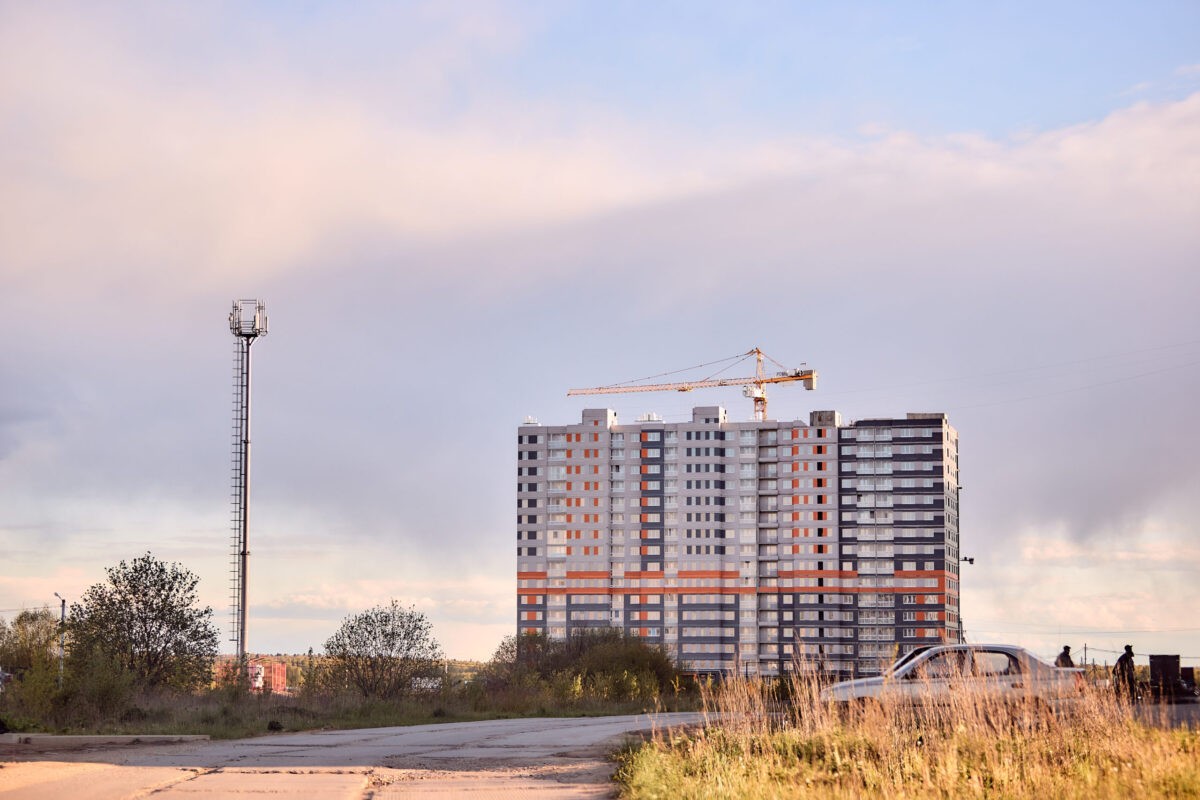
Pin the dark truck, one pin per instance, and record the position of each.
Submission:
(1169, 683)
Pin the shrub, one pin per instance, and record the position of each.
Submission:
(604, 666)
(385, 651)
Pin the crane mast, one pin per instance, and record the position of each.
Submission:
(754, 386)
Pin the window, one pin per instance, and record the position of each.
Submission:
(990, 662)
(941, 666)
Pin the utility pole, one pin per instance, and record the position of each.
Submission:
(62, 635)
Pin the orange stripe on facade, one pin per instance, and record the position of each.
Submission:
(642, 591)
(817, 573)
(526, 576)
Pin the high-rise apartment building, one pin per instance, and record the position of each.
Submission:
(743, 546)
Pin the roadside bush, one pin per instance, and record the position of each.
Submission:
(384, 652)
(97, 687)
(34, 694)
(601, 667)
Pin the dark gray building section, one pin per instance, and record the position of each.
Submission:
(899, 530)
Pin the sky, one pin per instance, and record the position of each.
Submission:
(457, 211)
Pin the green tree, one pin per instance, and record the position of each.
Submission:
(145, 619)
(384, 651)
(29, 640)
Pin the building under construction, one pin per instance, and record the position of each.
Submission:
(757, 547)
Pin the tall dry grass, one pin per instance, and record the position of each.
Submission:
(766, 740)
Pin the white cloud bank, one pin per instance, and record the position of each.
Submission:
(129, 172)
(117, 164)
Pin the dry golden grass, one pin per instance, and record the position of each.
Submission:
(758, 744)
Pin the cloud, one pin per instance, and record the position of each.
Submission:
(444, 252)
(469, 602)
(1146, 549)
(453, 605)
(1137, 89)
(219, 179)
(1133, 584)
(186, 186)
(37, 589)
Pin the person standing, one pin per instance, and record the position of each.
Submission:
(1123, 673)
(1064, 658)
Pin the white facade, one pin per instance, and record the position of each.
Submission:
(748, 546)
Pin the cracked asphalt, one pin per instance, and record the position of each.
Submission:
(543, 758)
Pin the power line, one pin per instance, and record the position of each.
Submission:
(1124, 379)
(1117, 652)
(1024, 370)
(1081, 631)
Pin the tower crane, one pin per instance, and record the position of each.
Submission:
(754, 387)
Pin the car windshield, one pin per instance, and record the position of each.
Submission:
(907, 657)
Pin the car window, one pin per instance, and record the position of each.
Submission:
(993, 662)
(942, 665)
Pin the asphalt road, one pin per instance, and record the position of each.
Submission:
(534, 758)
(540, 758)
(1169, 715)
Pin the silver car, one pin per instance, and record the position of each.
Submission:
(939, 673)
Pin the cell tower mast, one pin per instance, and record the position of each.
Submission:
(247, 322)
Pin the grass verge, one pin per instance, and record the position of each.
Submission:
(225, 714)
(758, 745)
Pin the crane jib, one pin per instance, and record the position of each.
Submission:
(754, 385)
